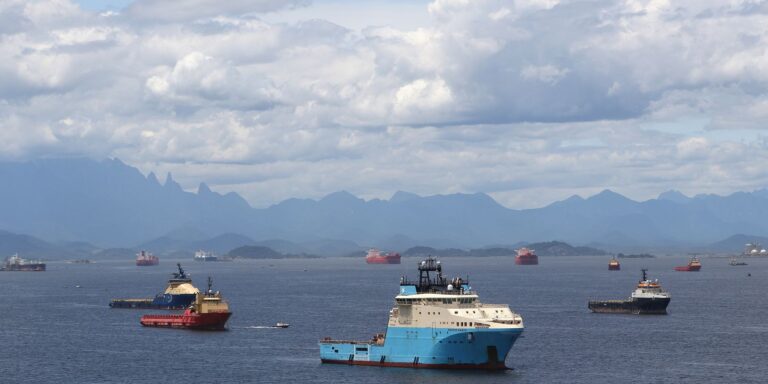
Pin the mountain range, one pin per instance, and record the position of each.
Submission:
(107, 203)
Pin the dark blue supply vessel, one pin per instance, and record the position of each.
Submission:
(179, 294)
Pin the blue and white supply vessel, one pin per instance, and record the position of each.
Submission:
(436, 323)
(179, 294)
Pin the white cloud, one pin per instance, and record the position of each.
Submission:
(422, 95)
(549, 74)
(529, 100)
(185, 10)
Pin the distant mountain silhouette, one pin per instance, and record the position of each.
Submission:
(107, 203)
(112, 205)
(549, 248)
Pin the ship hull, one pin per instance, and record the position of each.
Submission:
(656, 306)
(526, 260)
(24, 268)
(165, 301)
(383, 259)
(440, 348)
(215, 321)
(614, 268)
(688, 268)
(147, 263)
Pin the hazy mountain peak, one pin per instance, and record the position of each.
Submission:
(674, 196)
(203, 189)
(608, 195)
(571, 201)
(152, 178)
(340, 196)
(401, 196)
(574, 198)
(170, 183)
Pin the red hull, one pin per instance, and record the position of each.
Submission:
(498, 366)
(146, 263)
(688, 268)
(527, 260)
(614, 267)
(393, 259)
(210, 321)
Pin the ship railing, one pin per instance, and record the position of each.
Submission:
(163, 316)
(328, 340)
(607, 301)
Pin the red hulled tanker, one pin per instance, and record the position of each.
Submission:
(526, 256)
(375, 256)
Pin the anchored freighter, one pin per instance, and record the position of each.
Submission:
(526, 256)
(16, 263)
(375, 256)
(436, 323)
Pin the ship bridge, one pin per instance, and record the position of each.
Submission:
(432, 281)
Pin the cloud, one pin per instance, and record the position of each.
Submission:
(528, 100)
(162, 11)
(549, 74)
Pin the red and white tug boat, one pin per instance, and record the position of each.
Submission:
(208, 312)
(614, 265)
(694, 265)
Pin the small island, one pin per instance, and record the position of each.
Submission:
(635, 256)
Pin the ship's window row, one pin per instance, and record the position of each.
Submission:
(427, 301)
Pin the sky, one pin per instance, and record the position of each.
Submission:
(530, 101)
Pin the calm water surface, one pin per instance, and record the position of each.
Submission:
(52, 332)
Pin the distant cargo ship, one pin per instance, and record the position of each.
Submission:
(205, 256)
(209, 311)
(179, 294)
(614, 265)
(526, 256)
(436, 323)
(647, 298)
(144, 258)
(17, 264)
(694, 265)
(375, 256)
